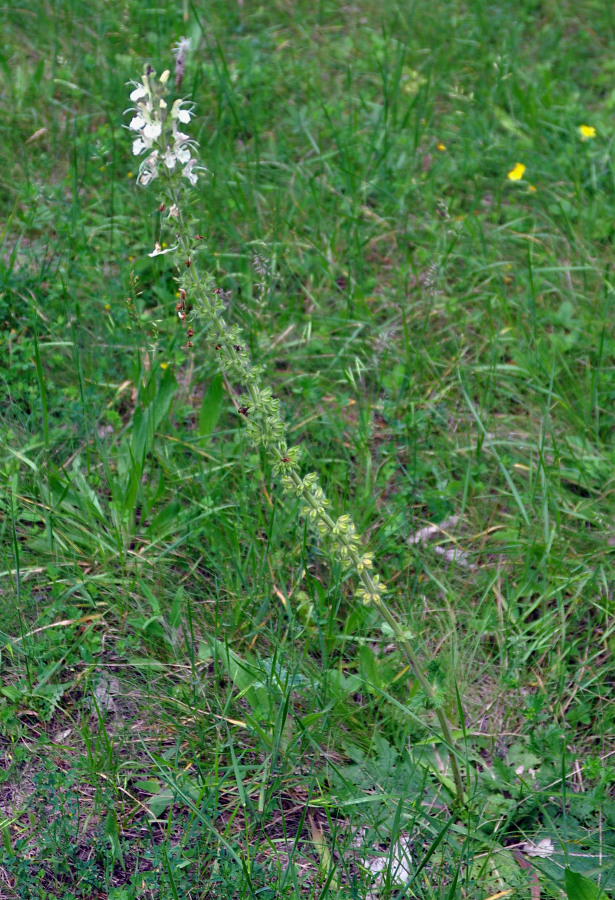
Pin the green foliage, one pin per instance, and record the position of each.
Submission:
(192, 703)
(580, 888)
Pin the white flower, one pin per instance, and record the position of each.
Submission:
(182, 145)
(183, 115)
(189, 173)
(174, 211)
(152, 130)
(137, 123)
(139, 146)
(170, 159)
(165, 76)
(183, 154)
(158, 251)
(146, 176)
(149, 169)
(138, 93)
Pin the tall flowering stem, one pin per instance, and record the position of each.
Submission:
(170, 156)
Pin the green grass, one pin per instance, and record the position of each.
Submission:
(192, 704)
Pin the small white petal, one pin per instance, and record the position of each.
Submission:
(138, 93)
(139, 146)
(189, 173)
(146, 176)
(137, 123)
(158, 251)
(152, 130)
(149, 169)
(165, 76)
(183, 154)
(184, 116)
(170, 159)
(544, 848)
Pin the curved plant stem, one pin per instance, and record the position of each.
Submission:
(316, 502)
(171, 156)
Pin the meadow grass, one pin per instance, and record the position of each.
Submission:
(192, 702)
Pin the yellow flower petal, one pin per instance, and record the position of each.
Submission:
(164, 365)
(587, 132)
(441, 147)
(532, 189)
(516, 174)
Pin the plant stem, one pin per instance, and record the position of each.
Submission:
(406, 646)
(315, 500)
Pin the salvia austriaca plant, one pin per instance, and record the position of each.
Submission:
(170, 158)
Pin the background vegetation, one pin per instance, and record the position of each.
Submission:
(191, 702)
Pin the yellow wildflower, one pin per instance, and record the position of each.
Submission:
(587, 132)
(164, 365)
(532, 189)
(441, 147)
(516, 174)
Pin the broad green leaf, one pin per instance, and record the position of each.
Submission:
(211, 406)
(150, 785)
(163, 799)
(578, 887)
(162, 400)
(244, 676)
(113, 834)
